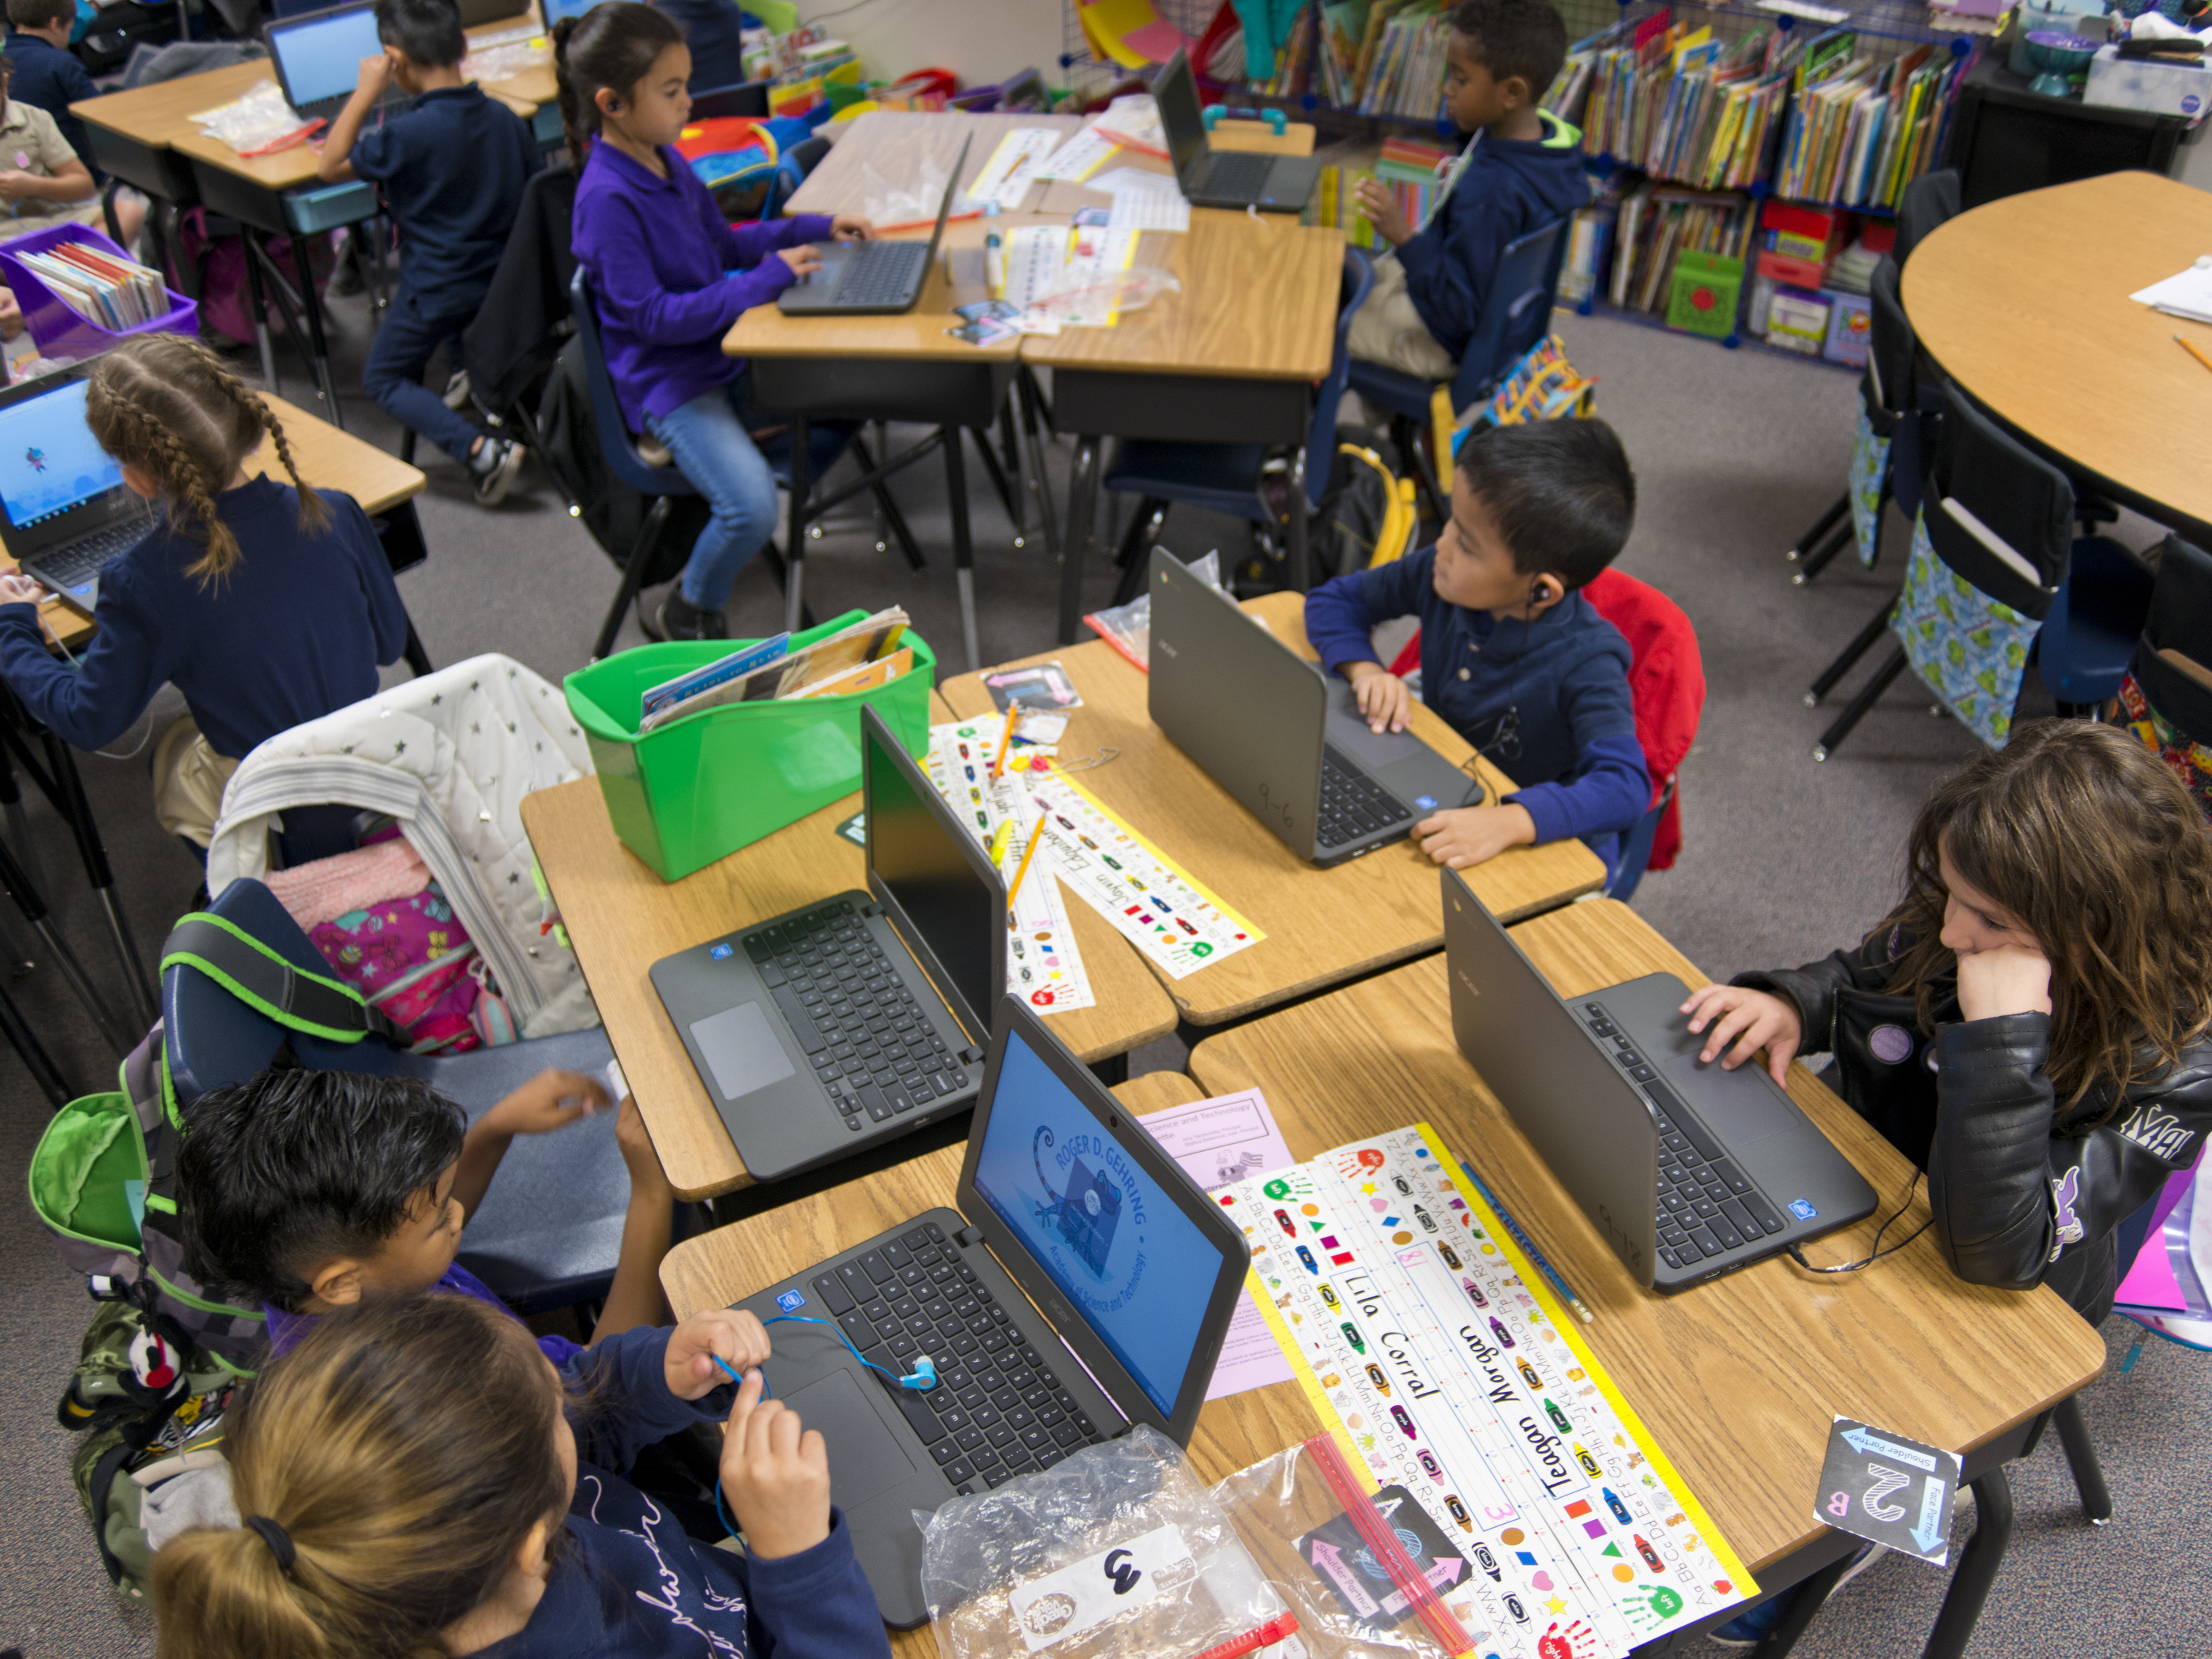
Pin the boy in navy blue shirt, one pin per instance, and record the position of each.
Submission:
(453, 168)
(42, 69)
(1522, 170)
(1513, 655)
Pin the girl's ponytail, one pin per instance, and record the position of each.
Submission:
(575, 126)
(611, 48)
(222, 1591)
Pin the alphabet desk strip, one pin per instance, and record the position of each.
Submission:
(1440, 1357)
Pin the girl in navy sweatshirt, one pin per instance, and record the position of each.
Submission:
(659, 255)
(411, 1478)
(267, 605)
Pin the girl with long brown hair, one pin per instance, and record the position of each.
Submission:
(413, 1480)
(266, 604)
(2029, 1025)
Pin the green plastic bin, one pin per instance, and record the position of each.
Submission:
(697, 789)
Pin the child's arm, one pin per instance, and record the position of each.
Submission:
(640, 1386)
(1340, 619)
(616, 246)
(387, 613)
(69, 182)
(749, 244)
(335, 165)
(1380, 208)
(552, 1100)
(634, 1298)
(91, 705)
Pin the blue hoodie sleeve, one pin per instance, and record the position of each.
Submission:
(814, 1605)
(1609, 788)
(1341, 614)
(1449, 268)
(627, 1404)
(93, 703)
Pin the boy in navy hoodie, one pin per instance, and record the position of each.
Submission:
(1522, 170)
(1513, 655)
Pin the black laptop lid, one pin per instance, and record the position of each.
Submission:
(1129, 1257)
(56, 482)
(936, 886)
(1175, 89)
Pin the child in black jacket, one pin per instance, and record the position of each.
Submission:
(2029, 1025)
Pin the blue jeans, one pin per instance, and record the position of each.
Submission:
(713, 448)
(406, 342)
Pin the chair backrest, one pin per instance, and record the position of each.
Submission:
(791, 170)
(1928, 201)
(1351, 292)
(1516, 315)
(2180, 621)
(616, 443)
(745, 98)
(1890, 347)
(1666, 670)
(2023, 500)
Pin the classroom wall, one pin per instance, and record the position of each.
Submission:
(981, 41)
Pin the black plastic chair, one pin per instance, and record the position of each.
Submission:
(746, 98)
(1928, 201)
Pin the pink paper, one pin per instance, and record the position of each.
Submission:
(1158, 40)
(2150, 1283)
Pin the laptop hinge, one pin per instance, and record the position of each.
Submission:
(968, 1237)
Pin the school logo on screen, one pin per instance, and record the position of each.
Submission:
(1092, 1204)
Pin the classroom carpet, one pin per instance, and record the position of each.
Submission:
(1783, 859)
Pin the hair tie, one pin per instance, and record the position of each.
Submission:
(279, 1540)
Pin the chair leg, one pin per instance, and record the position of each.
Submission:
(1805, 1602)
(1832, 739)
(2082, 1460)
(1814, 562)
(1406, 437)
(417, 657)
(1840, 513)
(36, 1060)
(963, 549)
(999, 479)
(1862, 642)
(795, 587)
(640, 553)
(1134, 557)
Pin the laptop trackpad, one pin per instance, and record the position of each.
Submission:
(1736, 1106)
(741, 1050)
(864, 1458)
(1349, 730)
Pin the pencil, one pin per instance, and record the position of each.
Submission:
(1013, 715)
(2190, 346)
(1567, 1292)
(1036, 835)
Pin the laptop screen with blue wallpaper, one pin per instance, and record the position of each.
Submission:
(1125, 1255)
(321, 58)
(49, 459)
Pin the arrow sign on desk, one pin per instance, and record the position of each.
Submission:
(1934, 1510)
(1866, 1440)
(1441, 1575)
(1867, 1489)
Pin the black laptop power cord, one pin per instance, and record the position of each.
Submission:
(1876, 1253)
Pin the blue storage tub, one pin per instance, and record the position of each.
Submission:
(59, 329)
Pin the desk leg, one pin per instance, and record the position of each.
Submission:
(19, 827)
(257, 296)
(1039, 480)
(107, 213)
(1805, 1602)
(1977, 1569)
(1082, 509)
(964, 548)
(794, 551)
(314, 309)
(78, 809)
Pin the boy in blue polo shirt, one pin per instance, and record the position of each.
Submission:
(1513, 655)
(42, 69)
(452, 167)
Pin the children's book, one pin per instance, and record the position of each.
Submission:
(860, 676)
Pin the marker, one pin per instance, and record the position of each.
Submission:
(999, 841)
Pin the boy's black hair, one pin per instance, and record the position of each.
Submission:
(1527, 38)
(427, 30)
(297, 1167)
(1560, 493)
(37, 13)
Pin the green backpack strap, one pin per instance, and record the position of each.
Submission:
(259, 976)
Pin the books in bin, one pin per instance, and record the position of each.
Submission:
(116, 294)
(770, 668)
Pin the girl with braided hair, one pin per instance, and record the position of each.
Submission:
(266, 604)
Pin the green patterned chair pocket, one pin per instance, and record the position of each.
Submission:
(1869, 472)
(1970, 649)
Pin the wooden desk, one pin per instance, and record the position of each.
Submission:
(1739, 1379)
(328, 458)
(1324, 926)
(2023, 301)
(622, 918)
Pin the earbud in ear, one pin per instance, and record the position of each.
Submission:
(1536, 593)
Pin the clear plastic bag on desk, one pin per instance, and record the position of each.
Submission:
(914, 207)
(1385, 1577)
(1129, 628)
(254, 122)
(1118, 1552)
(1086, 297)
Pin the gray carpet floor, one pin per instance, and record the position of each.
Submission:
(1735, 452)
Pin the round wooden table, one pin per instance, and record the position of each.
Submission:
(2023, 302)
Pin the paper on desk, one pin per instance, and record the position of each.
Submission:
(1134, 120)
(1036, 256)
(1149, 210)
(2188, 294)
(1226, 1139)
(1127, 179)
(1080, 157)
(1006, 177)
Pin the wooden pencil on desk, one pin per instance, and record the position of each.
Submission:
(2190, 347)
(1036, 835)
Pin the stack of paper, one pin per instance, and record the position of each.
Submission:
(2188, 295)
(117, 293)
(856, 658)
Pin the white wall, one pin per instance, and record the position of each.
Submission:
(981, 41)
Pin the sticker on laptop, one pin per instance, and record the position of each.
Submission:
(791, 1302)
(719, 952)
(1802, 1209)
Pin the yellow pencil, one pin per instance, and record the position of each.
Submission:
(999, 766)
(2190, 346)
(1036, 835)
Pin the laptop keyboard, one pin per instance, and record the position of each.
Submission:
(998, 1409)
(867, 1039)
(80, 562)
(1352, 804)
(1707, 1205)
(881, 273)
(1238, 173)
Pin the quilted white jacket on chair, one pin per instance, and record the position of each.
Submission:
(450, 756)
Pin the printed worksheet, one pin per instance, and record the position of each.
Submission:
(1006, 177)
(1080, 157)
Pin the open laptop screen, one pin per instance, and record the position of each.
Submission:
(921, 862)
(1176, 94)
(49, 461)
(321, 58)
(1126, 1255)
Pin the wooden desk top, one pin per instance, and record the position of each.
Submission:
(328, 458)
(622, 918)
(2023, 301)
(1739, 1379)
(1258, 299)
(1324, 926)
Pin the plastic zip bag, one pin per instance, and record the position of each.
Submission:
(1129, 628)
(888, 209)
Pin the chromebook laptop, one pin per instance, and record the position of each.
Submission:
(1224, 178)
(1274, 730)
(1083, 1283)
(872, 277)
(64, 508)
(1689, 1171)
(319, 58)
(858, 1017)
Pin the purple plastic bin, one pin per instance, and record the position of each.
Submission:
(60, 330)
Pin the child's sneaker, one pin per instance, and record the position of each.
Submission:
(677, 618)
(492, 469)
(456, 395)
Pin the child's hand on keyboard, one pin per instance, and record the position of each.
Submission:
(1384, 698)
(1473, 835)
(730, 1334)
(776, 1473)
(1756, 1019)
(851, 227)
